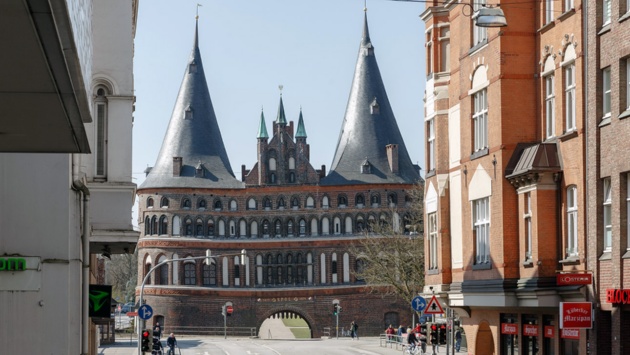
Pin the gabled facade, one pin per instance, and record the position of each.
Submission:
(505, 183)
(295, 222)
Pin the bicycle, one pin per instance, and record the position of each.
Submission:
(412, 349)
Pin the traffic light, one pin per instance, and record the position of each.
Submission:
(146, 340)
(336, 309)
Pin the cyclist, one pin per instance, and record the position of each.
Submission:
(171, 342)
(412, 341)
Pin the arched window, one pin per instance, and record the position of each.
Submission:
(209, 274)
(295, 203)
(325, 226)
(186, 203)
(348, 224)
(242, 228)
(342, 201)
(325, 203)
(290, 228)
(253, 229)
(375, 200)
(233, 205)
(150, 202)
(266, 228)
(199, 227)
(291, 177)
(251, 204)
(310, 202)
(267, 203)
(281, 203)
(163, 227)
(314, 229)
(272, 164)
(190, 275)
(221, 228)
(272, 178)
(278, 228)
(210, 228)
(337, 225)
(218, 206)
(259, 269)
(237, 271)
(189, 226)
(232, 228)
(392, 199)
(101, 124)
(164, 202)
(360, 224)
(201, 204)
(147, 225)
(176, 226)
(291, 163)
(333, 267)
(302, 228)
(322, 269)
(154, 225)
(162, 272)
(359, 201)
(359, 267)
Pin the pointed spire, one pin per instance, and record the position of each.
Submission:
(193, 137)
(301, 131)
(281, 119)
(262, 127)
(369, 126)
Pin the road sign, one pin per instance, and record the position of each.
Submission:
(418, 304)
(145, 312)
(434, 307)
(229, 310)
(132, 314)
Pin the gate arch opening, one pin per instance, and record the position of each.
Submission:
(285, 324)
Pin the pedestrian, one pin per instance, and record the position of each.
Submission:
(157, 330)
(353, 330)
(411, 340)
(171, 342)
(390, 331)
(458, 339)
(434, 340)
(157, 348)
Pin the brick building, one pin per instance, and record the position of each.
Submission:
(295, 222)
(607, 78)
(505, 183)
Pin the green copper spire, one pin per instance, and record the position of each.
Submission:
(262, 129)
(281, 119)
(301, 131)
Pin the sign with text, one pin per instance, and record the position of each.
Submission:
(617, 296)
(577, 315)
(574, 279)
(530, 330)
(570, 334)
(549, 331)
(509, 328)
(20, 273)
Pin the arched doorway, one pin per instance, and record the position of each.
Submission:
(286, 324)
(484, 344)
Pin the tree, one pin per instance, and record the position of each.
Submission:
(390, 255)
(122, 273)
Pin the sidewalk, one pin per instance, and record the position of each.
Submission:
(120, 347)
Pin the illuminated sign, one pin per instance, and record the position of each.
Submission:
(616, 296)
(12, 264)
(509, 328)
(574, 279)
(576, 315)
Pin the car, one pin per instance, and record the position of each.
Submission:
(127, 307)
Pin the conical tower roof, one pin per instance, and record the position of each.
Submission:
(262, 127)
(301, 131)
(193, 134)
(368, 127)
(281, 119)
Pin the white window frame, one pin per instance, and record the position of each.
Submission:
(480, 34)
(481, 226)
(569, 97)
(607, 211)
(568, 5)
(628, 74)
(480, 119)
(550, 107)
(100, 133)
(606, 92)
(527, 218)
(606, 12)
(549, 17)
(572, 222)
(431, 143)
(433, 242)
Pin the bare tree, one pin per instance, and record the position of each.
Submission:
(122, 273)
(390, 255)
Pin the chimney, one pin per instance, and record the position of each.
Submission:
(392, 157)
(177, 166)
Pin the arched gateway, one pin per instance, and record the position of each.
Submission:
(286, 323)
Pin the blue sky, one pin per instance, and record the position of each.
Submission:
(249, 47)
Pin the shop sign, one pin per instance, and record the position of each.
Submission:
(616, 296)
(570, 333)
(20, 273)
(574, 279)
(530, 330)
(509, 328)
(550, 331)
(576, 315)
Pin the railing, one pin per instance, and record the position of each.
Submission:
(326, 332)
(391, 341)
(218, 331)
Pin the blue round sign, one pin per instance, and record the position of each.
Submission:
(145, 312)
(418, 304)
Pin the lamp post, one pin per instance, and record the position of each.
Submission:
(208, 256)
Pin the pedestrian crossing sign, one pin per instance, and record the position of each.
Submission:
(434, 307)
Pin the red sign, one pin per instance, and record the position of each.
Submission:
(570, 333)
(530, 330)
(229, 309)
(509, 328)
(576, 315)
(433, 307)
(616, 296)
(132, 314)
(574, 279)
(549, 331)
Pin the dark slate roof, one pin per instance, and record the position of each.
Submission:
(368, 126)
(194, 136)
(262, 128)
(301, 131)
(281, 118)
(533, 158)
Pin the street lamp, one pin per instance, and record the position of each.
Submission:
(208, 256)
(487, 16)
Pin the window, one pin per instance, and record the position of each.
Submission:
(310, 202)
(218, 206)
(190, 277)
(302, 228)
(628, 76)
(100, 158)
(267, 203)
(291, 163)
(429, 42)
(278, 228)
(325, 203)
(251, 204)
(272, 164)
(480, 34)
(154, 225)
(201, 204)
(550, 107)
(445, 49)
(209, 275)
(572, 222)
(186, 203)
(433, 259)
(295, 203)
(569, 97)
(548, 11)
(189, 226)
(607, 215)
(163, 226)
(163, 272)
(359, 201)
(164, 202)
(606, 92)
(480, 120)
(568, 5)
(150, 202)
(431, 144)
(375, 200)
(481, 218)
(606, 12)
(290, 228)
(527, 218)
(342, 201)
(233, 205)
(210, 228)
(199, 227)
(628, 209)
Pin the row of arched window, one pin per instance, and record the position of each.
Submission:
(294, 202)
(270, 269)
(208, 227)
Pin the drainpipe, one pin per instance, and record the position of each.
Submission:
(79, 186)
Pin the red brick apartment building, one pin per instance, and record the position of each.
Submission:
(294, 221)
(505, 185)
(607, 171)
